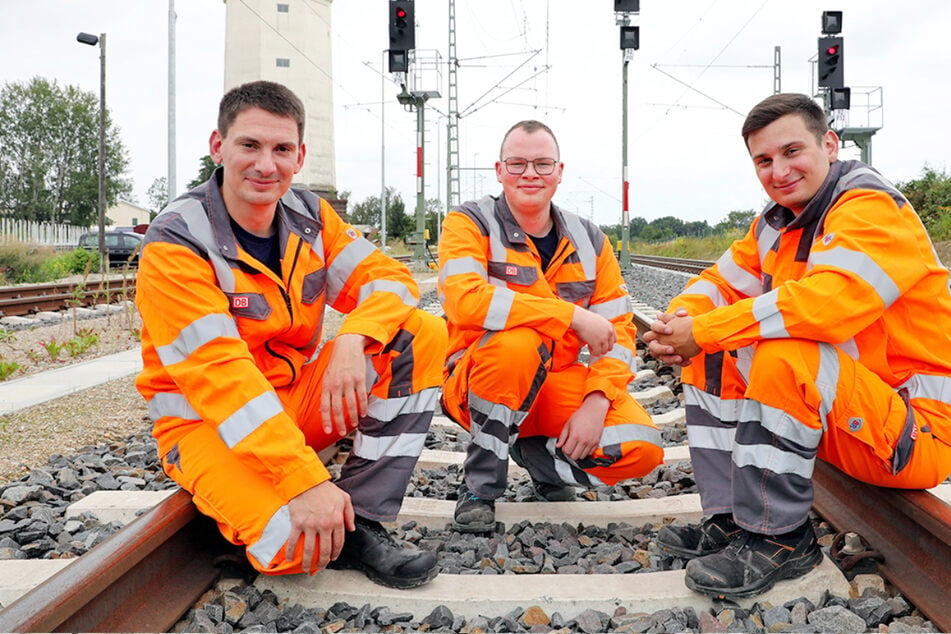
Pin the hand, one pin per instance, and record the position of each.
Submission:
(320, 514)
(670, 338)
(594, 330)
(343, 395)
(581, 434)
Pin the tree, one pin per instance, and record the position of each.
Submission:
(735, 220)
(205, 167)
(398, 224)
(49, 164)
(158, 196)
(930, 195)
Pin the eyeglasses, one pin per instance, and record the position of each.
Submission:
(542, 166)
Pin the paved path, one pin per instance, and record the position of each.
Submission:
(45, 386)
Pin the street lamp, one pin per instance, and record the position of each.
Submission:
(92, 40)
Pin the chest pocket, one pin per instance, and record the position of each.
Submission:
(313, 285)
(249, 305)
(513, 273)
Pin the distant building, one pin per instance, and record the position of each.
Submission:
(125, 215)
(289, 41)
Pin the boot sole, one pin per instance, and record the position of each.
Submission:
(789, 570)
(474, 528)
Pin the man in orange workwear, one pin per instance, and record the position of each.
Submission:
(823, 333)
(234, 279)
(525, 286)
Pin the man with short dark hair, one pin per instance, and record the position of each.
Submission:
(234, 279)
(823, 333)
(526, 286)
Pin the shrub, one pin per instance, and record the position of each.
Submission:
(22, 262)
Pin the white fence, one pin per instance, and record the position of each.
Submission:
(45, 233)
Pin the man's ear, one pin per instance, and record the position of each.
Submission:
(830, 143)
(214, 146)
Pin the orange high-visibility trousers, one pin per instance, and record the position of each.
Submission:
(245, 502)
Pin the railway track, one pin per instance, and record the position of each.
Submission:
(124, 584)
(26, 299)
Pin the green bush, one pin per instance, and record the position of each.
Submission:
(79, 261)
(21, 262)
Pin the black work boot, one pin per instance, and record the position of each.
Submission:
(712, 535)
(373, 550)
(473, 514)
(752, 563)
(544, 491)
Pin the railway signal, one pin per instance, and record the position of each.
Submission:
(831, 62)
(402, 34)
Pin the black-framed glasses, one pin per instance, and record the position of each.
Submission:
(542, 166)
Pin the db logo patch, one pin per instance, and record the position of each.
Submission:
(855, 424)
(827, 239)
(240, 302)
(511, 270)
(352, 233)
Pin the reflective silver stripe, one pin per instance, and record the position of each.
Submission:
(497, 412)
(171, 404)
(737, 277)
(849, 347)
(196, 219)
(460, 266)
(195, 335)
(866, 174)
(612, 308)
(387, 409)
(273, 538)
(376, 447)
(618, 434)
(499, 309)
(704, 437)
(345, 264)
(497, 250)
(622, 354)
(582, 243)
(771, 322)
(744, 361)
(827, 380)
(862, 265)
(773, 459)
(707, 289)
(249, 417)
(564, 470)
(766, 239)
(930, 386)
(388, 286)
(781, 424)
(726, 410)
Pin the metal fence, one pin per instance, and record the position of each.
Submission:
(44, 233)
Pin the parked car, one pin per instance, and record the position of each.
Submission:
(123, 247)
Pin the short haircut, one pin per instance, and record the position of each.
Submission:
(266, 95)
(530, 126)
(775, 106)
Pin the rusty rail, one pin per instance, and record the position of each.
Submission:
(911, 529)
(30, 298)
(142, 579)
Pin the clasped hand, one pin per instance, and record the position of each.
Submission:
(670, 338)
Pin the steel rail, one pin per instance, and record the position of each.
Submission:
(26, 299)
(910, 529)
(142, 579)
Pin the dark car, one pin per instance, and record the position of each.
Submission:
(123, 246)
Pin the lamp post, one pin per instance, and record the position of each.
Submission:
(92, 40)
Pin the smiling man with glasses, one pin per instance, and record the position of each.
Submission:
(542, 346)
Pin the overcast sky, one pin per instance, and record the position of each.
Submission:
(702, 64)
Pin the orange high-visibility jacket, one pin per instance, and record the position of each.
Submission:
(491, 279)
(855, 269)
(221, 330)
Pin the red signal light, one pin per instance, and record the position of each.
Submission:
(400, 12)
(832, 50)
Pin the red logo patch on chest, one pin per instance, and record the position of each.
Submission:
(240, 302)
(511, 270)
